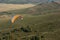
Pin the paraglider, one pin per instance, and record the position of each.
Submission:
(15, 17)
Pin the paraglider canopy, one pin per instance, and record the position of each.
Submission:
(15, 17)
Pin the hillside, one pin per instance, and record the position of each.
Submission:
(39, 27)
(32, 27)
(43, 8)
(7, 7)
(40, 22)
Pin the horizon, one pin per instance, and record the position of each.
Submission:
(26, 2)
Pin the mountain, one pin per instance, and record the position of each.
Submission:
(19, 1)
(43, 8)
(23, 1)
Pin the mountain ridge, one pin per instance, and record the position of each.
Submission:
(52, 7)
(24, 1)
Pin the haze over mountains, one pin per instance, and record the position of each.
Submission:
(23, 1)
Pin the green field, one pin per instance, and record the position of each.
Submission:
(32, 27)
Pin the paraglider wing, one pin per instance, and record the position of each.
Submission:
(15, 17)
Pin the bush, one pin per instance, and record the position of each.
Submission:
(35, 38)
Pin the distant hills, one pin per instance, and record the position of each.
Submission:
(43, 8)
(19, 1)
(23, 1)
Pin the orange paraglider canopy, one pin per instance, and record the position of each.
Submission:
(15, 17)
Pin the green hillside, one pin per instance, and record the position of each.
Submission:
(39, 27)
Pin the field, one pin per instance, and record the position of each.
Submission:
(32, 27)
(7, 7)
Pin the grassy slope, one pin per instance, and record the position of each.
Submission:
(44, 25)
